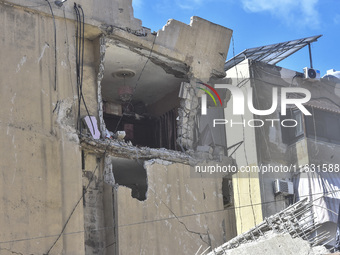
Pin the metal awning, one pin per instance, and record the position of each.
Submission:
(271, 54)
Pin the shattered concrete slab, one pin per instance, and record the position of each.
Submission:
(278, 244)
(296, 220)
(121, 149)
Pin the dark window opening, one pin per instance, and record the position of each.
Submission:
(165, 130)
(292, 134)
(131, 174)
(138, 131)
(82, 160)
(323, 125)
(227, 192)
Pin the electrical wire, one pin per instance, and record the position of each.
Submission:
(68, 56)
(181, 222)
(315, 137)
(55, 47)
(82, 52)
(245, 155)
(237, 145)
(233, 43)
(230, 208)
(80, 47)
(325, 208)
(78, 34)
(247, 162)
(82, 65)
(162, 219)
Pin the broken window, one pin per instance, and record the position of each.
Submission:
(323, 125)
(227, 191)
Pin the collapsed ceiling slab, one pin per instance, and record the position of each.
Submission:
(122, 149)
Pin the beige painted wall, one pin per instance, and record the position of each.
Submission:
(246, 186)
(151, 227)
(247, 200)
(41, 177)
(202, 44)
(118, 13)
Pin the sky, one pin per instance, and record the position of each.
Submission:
(260, 22)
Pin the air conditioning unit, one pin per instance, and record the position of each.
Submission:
(311, 74)
(284, 188)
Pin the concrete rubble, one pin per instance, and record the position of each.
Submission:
(278, 244)
(122, 149)
(291, 231)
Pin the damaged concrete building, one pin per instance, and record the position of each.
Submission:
(284, 162)
(73, 78)
(101, 121)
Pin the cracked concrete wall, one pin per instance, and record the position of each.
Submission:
(204, 45)
(40, 159)
(41, 162)
(180, 213)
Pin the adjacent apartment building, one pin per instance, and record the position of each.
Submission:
(285, 157)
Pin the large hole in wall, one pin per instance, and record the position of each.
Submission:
(140, 99)
(131, 174)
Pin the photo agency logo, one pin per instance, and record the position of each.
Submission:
(204, 97)
(238, 105)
